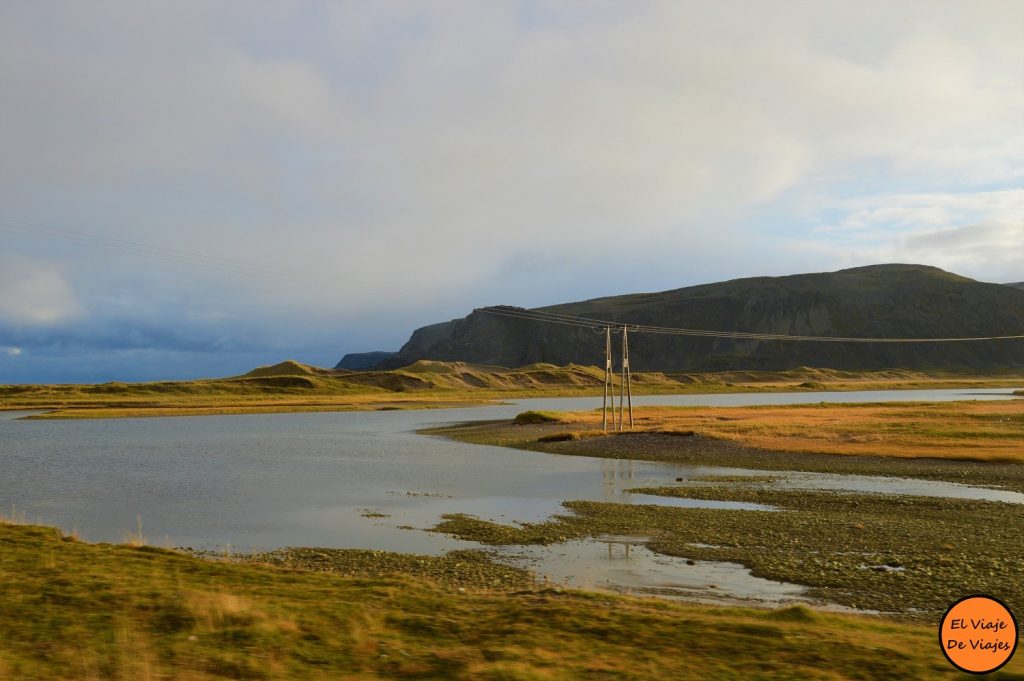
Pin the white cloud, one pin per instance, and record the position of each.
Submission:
(11, 351)
(415, 150)
(34, 293)
(979, 234)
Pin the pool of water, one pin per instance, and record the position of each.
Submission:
(868, 484)
(625, 565)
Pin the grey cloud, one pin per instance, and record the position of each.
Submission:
(984, 237)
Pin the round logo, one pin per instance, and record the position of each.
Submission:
(978, 634)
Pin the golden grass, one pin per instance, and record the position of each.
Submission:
(293, 387)
(129, 614)
(208, 407)
(980, 431)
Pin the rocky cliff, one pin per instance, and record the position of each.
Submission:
(888, 301)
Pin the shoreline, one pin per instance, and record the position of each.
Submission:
(325, 391)
(858, 550)
(913, 551)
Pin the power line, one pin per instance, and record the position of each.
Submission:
(607, 327)
(600, 324)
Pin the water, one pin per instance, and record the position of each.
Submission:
(269, 480)
(625, 565)
(753, 399)
(309, 479)
(869, 484)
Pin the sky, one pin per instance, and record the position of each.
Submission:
(306, 179)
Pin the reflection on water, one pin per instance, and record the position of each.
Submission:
(615, 472)
(625, 565)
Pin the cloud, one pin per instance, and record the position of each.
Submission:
(34, 293)
(430, 157)
(979, 233)
(11, 351)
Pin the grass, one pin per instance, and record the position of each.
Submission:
(990, 431)
(262, 406)
(806, 438)
(292, 387)
(530, 417)
(83, 611)
(69, 609)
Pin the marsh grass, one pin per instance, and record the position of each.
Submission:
(988, 431)
(121, 613)
(533, 417)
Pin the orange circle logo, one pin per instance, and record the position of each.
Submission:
(978, 634)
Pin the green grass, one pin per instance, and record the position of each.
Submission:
(70, 610)
(534, 417)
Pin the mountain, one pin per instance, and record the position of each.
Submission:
(885, 301)
(1016, 284)
(361, 361)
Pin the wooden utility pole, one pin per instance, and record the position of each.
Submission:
(622, 380)
(625, 384)
(628, 375)
(608, 374)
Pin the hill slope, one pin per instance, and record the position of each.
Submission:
(875, 301)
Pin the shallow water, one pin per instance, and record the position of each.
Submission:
(870, 484)
(308, 479)
(625, 565)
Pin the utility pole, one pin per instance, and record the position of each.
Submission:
(625, 389)
(628, 375)
(622, 381)
(608, 374)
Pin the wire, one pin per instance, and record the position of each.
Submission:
(524, 315)
(551, 317)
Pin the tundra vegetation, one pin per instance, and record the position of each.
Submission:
(100, 611)
(292, 387)
(97, 611)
